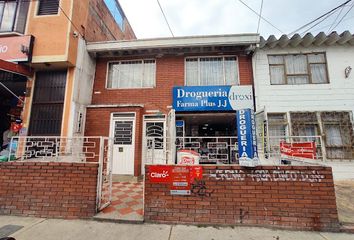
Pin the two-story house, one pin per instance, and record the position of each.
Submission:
(153, 96)
(46, 74)
(304, 90)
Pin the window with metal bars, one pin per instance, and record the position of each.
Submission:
(48, 7)
(13, 15)
(48, 102)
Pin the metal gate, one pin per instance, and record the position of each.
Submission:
(104, 178)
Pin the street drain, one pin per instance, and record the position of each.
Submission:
(7, 230)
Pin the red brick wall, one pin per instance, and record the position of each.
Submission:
(43, 189)
(101, 26)
(245, 69)
(293, 197)
(169, 73)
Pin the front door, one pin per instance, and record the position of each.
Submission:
(123, 129)
(154, 141)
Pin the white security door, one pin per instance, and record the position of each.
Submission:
(154, 140)
(123, 128)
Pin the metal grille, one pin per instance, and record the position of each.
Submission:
(123, 132)
(48, 101)
(219, 150)
(155, 130)
(48, 7)
(339, 137)
(74, 149)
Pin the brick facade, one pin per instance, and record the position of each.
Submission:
(101, 25)
(293, 197)
(169, 73)
(48, 189)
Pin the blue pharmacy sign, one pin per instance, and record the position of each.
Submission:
(212, 98)
(246, 136)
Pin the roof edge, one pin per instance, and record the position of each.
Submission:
(188, 41)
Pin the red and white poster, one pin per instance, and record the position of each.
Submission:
(299, 149)
(178, 177)
(180, 184)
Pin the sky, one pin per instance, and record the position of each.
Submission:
(213, 17)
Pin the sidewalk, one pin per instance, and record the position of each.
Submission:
(52, 229)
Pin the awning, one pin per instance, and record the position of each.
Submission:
(15, 68)
(13, 78)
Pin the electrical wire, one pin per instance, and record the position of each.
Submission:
(261, 16)
(70, 21)
(340, 12)
(308, 29)
(163, 13)
(343, 17)
(61, 9)
(323, 15)
(323, 27)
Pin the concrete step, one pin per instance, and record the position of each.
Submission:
(126, 178)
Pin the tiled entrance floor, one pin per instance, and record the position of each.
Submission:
(127, 202)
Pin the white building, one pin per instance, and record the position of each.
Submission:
(305, 87)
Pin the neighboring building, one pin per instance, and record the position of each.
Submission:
(304, 85)
(133, 99)
(47, 38)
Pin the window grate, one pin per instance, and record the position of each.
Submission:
(48, 102)
(48, 7)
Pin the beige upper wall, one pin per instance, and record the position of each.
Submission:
(55, 40)
(50, 31)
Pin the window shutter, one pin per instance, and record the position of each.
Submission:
(48, 7)
(21, 16)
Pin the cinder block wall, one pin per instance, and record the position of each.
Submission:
(48, 189)
(293, 197)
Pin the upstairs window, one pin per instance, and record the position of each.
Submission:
(206, 71)
(13, 15)
(116, 12)
(132, 74)
(48, 7)
(298, 69)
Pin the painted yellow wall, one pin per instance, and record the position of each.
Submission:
(67, 101)
(51, 33)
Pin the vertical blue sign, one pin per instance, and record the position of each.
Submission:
(246, 136)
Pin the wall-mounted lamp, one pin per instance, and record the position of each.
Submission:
(347, 71)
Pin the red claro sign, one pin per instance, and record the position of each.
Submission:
(166, 174)
(16, 49)
(160, 174)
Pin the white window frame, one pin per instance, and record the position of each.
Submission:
(130, 60)
(307, 64)
(223, 63)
